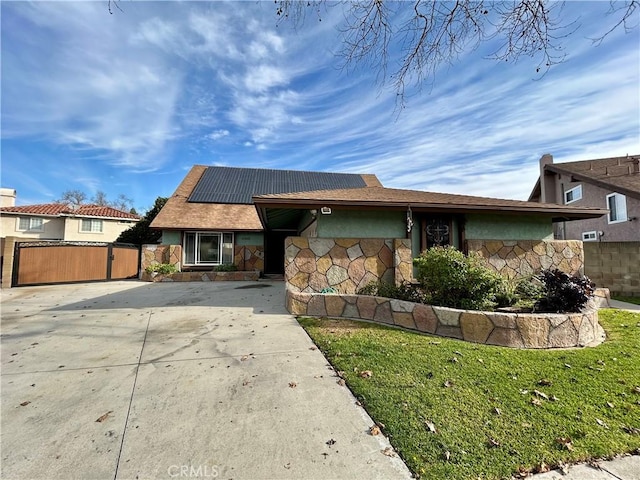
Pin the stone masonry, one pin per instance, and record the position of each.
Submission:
(158, 254)
(249, 257)
(517, 330)
(344, 264)
(523, 258)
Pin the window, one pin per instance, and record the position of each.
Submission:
(91, 225)
(573, 194)
(30, 224)
(589, 236)
(617, 205)
(208, 248)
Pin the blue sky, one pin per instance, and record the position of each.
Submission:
(127, 103)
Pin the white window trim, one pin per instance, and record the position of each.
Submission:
(30, 228)
(622, 213)
(196, 247)
(577, 194)
(82, 220)
(591, 236)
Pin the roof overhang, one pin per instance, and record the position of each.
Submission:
(559, 214)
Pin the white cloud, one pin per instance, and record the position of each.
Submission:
(218, 134)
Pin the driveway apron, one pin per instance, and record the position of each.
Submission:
(129, 380)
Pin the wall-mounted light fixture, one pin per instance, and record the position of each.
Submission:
(325, 210)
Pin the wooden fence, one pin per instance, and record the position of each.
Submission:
(40, 263)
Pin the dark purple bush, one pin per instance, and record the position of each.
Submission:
(563, 293)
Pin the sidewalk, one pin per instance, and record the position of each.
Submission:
(625, 306)
(623, 468)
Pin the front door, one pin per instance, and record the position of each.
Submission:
(274, 250)
(437, 231)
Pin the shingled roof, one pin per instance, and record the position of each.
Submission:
(618, 174)
(221, 198)
(61, 209)
(419, 200)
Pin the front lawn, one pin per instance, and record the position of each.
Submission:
(460, 410)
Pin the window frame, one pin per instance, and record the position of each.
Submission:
(225, 248)
(31, 227)
(573, 191)
(620, 203)
(91, 221)
(587, 236)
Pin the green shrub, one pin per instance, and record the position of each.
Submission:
(405, 291)
(227, 267)
(162, 268)
(450, 278)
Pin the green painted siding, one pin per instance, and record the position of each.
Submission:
(362, 224)
(249, 238)
(508, 227)
(171, 237)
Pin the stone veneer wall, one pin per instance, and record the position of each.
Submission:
(492, 328)
(249, 257)
(203, 277)
(523, 258)
(345, 264)
(156, 254)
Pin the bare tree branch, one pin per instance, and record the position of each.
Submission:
(629, 20)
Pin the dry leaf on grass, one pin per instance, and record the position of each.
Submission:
(493, 442)
(447, 455)
(601, 423)
(447, 384)
(545, 382)
(366, 374)
(610, 405)
(631, 430)
(543, 468)
(431, 426)
(540, 394)
(102, 418)
(536, 402)
(565, 442)
(497, 411)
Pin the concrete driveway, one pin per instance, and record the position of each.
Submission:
(135, 380)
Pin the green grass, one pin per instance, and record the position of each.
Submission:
(596, 390)
(635, 300)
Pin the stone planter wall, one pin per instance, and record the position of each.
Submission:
(516, 330)
(157, 254)
(523, 258)
(345, 264)
(202, 277)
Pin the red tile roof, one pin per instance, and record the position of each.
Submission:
(61, 209)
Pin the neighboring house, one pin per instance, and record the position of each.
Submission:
(609, 183)
(56, 221)
(242, 215)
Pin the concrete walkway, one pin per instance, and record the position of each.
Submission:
(128, 380)
(631, 307)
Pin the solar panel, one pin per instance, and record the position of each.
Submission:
(239, 185)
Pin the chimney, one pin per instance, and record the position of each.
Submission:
(547, 180)
(7, 197)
